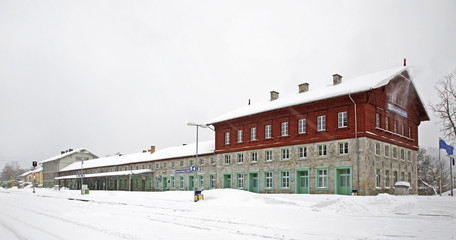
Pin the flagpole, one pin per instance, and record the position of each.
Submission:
(451, 177)
(440, 181)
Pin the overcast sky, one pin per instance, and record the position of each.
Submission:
(119, 76)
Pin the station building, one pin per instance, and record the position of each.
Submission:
(357, 135)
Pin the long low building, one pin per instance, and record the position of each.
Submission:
(359, 135)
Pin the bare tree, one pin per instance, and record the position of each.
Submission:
(11, 171)
(432, 173)
(446, 108)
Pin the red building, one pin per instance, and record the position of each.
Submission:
(360, 134)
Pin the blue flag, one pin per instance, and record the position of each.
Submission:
(449, 149)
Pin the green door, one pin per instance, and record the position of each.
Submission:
(344, 181)
(253, 182)
(302, 181)
(191, 183)
(143, 184)
(165, 184)
(227, 181)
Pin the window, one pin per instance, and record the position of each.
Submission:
(395, 152)
(301, 126)
(377, 178)
(387, 151)
(386, 123)
(201, 181)
(377, 148)
(395, 126)
(268, 179)
(343, 148)
(181, 163)
(254, 156)
(227, 159)
(322, 178)
(402, 154)
(285, 154)
(240, 180)
(409, 156)
(267, 131)
(302, 152)
(395, 177)
(212, 181)
(410, 132)
(227, 138)
(402, 176)
(173, 182)
(402, 130)
(181, 182)
(268, 155)
(239, 136)
(285, 179)
(253, 134)
(387, 179)
(377, 120)
(240, 158)
(173, 164)
(321, 123)
(191, 163)
(201, 161)
(322, 150)
(212, 160)
(157, 165)
(409, 177)
(342, 119)
(284, 129)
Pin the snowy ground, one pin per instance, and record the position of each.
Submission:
(224, 214)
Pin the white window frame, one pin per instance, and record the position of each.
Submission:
(284, 129)
(321, 123)
(377, 178)
(377, 148)
(387, 151)
(395, 126)
(227, 159)
(227, 138)
(302, 126)
(377, 120)
(302, 152)
(253, 134)
(267, 131)
(342, 119)
(240, 180)
(387, 179)
(268, 155)
(386, 123)
(268, 179)
(285, 179)
(343, 148)
(240, 158)
(322, 150)
(285, 153)
(254, 156)
(239, 136)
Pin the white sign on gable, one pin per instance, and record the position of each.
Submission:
(397, 110)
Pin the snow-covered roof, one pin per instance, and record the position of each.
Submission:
(402, 184)
(39, 169)
(206, 147)
(347, 86)
(108, 174)
(65, 155)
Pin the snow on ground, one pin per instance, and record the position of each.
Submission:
(224, 214)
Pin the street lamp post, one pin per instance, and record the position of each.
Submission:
(82, 169)
(196, 155)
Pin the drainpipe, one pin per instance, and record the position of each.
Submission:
(357, 141)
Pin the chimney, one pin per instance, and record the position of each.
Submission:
(144, 151)
(405, 62)
(62, 152)
(337, 79)
(70, 150)
(303, 87)
(184, 144)
(274, 95)
(152, 149)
